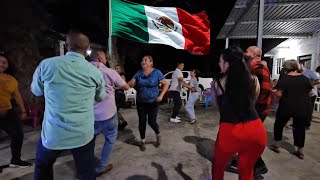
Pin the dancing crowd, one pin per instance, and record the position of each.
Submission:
(82, 100)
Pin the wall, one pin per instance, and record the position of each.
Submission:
(299, 48)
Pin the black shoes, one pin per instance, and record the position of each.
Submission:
(19, 164)
(142, 146)
(158, 141)
(261, 170)
(234, 162)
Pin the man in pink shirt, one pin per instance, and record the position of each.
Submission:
(105, 112)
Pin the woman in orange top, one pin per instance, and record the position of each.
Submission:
(9, 121)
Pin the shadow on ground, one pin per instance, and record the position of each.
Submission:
(161, 174)
(284, 144)
(205, 146)
(180, 171)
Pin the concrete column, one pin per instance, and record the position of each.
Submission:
(61, 47)
(227, 43)
(260, 24)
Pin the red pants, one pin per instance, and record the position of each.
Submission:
(247, 139)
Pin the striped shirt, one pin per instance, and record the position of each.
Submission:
(264, 99)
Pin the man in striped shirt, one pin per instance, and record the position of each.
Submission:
(258, 68)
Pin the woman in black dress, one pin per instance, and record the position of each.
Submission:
(293, 92)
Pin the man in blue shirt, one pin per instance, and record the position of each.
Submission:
(314, 78)
(70, 85)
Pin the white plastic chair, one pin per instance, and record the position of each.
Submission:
(184, 96)
(131, 95)
(200, 94)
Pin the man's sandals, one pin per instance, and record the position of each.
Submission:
(298, 154)
(275, 148)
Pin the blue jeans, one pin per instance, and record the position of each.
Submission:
(193, 97)
(83, 157)
(109, 128)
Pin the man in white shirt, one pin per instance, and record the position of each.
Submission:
(176, 84)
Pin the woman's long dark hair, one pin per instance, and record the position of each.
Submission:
(239, 85)
(10, 70)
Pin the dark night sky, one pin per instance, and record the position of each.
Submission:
(91, 17)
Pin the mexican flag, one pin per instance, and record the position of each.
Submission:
(161, 25)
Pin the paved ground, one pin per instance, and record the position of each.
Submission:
(185, 153)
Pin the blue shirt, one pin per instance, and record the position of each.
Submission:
(312, 75)
(147, 86)
(70, 86)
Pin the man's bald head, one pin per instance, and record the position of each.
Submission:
(252, 53)
(255, 51)
(78, 42)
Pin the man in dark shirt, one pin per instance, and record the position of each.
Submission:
(258, 68)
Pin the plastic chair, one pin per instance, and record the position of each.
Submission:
(200, 94)
(208, 99)
(131, 94)
(34, 113)
(184, 96)
(207, 95)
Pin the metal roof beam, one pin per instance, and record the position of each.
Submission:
(275, 20)
(267, 36)
(282, 20)
(287, 3)
(243, 14)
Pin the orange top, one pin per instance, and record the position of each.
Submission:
(8, 85)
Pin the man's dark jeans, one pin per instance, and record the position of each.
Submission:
(177, 103)
(312, 101)
(11, 124)
(83, 158)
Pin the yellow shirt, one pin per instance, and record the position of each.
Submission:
(8, 85)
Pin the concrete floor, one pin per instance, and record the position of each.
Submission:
(185, 153)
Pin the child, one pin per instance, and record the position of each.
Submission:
(193, 95)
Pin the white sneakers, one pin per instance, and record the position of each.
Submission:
(175, 120)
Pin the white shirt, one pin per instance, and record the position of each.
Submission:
(194, 83)
(174, 84)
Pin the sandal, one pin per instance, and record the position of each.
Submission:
(275, 148)
(298, 154)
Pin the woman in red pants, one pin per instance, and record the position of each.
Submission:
(241, 131)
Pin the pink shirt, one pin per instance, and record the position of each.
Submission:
(107, 108)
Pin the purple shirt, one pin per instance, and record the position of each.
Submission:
(107, 108)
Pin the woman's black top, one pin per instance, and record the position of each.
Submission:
(229, 114)
(295, 94)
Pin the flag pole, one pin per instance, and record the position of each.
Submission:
(110, 30)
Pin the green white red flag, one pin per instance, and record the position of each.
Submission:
(161, 25)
